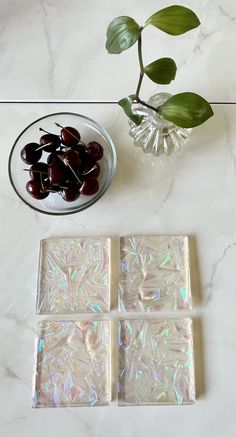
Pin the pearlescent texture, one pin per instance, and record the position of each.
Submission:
(72, 364)
(74, 276)
(156, 362)
(154, 273)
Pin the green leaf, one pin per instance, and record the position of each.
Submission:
(122, 33)
(186, 110)
(126, 104)
(162, 71)
(174, 20)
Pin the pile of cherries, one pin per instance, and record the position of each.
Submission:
(71, 169)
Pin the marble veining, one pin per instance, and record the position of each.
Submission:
(55, 57)
(209, 287)
(51, 60)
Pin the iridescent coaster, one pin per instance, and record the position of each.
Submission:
(72, 364)
(74, 276)
(156, 362)
(154, 273)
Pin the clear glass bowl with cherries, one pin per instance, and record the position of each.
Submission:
(62, 163)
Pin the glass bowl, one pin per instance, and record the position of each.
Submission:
(54, 203)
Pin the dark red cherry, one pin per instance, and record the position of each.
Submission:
(56, 173)
(71, 192)
(50, 142)
(35, 189)
(71, 158)
(54, 156)
(79, 148)
(87, 163)
(29, 154)
(40, 168)
(90, 186)
(95, 150)
(69, 135)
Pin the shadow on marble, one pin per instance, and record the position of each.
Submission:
(200, 382)
(208, 135)
(196, 287)
(127, 173)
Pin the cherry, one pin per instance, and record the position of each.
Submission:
(49, 142)
(87, 163)
(56, 173)
(71, 192)
(95, 150)
(72, 159)
(54, 156)
(90, 186)
(69, 135)
(34, 188)
(71, 176)
(71, 169)
(37, 169)
(80, 148)
(29, 154)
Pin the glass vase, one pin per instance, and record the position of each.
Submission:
(155, 134)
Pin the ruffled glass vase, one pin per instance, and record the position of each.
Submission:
(154, 134)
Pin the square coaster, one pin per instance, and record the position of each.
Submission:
(74, 276)
(154, 273)
(156, 362)
(72, 364)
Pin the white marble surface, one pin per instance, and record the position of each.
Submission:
(54, 49)
(194, 194)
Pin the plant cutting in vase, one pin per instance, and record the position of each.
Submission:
(184, 110)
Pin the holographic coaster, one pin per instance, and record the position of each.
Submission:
(156, 362)
(154, 273)
(72, 364)
(74, 276)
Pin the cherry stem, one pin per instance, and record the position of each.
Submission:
(46, 132)
(45, 145)
(87, 172)
(65, 161)
(79, 141)
(35, 171)
(41, 182)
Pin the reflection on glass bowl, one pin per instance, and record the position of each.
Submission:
(54, 204)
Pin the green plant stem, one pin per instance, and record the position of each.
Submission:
(141, 74)
(138, 100)
(140, 58)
